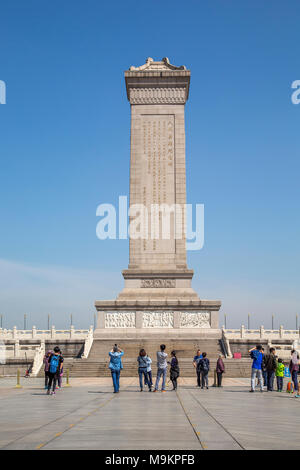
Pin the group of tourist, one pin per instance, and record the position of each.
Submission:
(53, 368)
(200, 362)
(265, 367)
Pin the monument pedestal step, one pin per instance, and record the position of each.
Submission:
(88, 368)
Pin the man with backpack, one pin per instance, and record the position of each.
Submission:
(195, 364)
(203, 366)
(55, 364)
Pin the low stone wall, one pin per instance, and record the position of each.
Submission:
(10, 368)
(69, 348)
(243, 345)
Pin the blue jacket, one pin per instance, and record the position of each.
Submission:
(143, 362)
(115, 360)
(257, 357)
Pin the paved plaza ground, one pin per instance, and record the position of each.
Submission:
(88, 415)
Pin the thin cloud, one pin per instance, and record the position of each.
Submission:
(56, 290)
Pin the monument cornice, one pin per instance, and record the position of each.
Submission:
(157, 66)
(153, 274)
(160, 83)
(162, 304)
(154, 95)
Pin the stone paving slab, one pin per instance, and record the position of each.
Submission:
(89, 416)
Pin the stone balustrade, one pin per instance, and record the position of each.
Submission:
(30, 344)
(261, 333)
(36, 334)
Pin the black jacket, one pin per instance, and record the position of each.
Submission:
(203, 365)
(269, 362)
(174, 370)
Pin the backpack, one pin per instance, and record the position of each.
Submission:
(290, 387)
(54, 364)
(287, 372)
(203, 365)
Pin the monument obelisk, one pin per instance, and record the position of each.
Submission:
(157, 295)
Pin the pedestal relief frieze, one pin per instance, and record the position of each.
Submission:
(120, 320)
(154, 283)
(195, 320)
(158, 319)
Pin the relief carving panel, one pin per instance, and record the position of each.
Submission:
(120, 320)
(158, 320)
(195, 320)
(162, 283)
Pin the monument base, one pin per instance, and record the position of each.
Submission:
(156, 317)
(183, 327)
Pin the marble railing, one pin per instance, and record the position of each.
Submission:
(261, 333)
(53, 333)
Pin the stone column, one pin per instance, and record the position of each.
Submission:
(14, 332)
(17, 348)
(214, 319)
(139, 319)
(176, 319)
(157, 92)
(101, 320)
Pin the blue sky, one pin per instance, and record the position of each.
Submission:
(64, 148)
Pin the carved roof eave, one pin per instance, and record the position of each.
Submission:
(152, 65)
(168, 76)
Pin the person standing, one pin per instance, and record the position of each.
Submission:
(270, 364)
(257, 356)
(294, 369)
(46, 368)
(203, 366)
(60, 374)
(220, 369)
(149, 371)
(195, 364)
(116, 366)
(55, 365)
(279, 375)
(143, 364)
(263, 370)
(174, 370)
(161, 368)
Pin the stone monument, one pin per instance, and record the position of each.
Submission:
(157, 298)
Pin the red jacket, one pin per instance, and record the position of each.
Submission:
(220, 366)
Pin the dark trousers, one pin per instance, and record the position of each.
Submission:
(279, 383)
(270, 384)
(295, 380)
(198, 377)
(219, 377)
(265, 377)
(46, 378)
(174, 382)
(52, 381)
